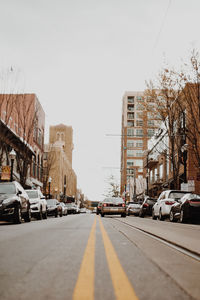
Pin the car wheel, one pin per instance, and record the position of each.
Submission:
(102, 214)
(17, 215)
(123, 215)
(27, 217)
(153, 215)
(39, 216)
(182, 216)
(161, 218)
(171, 216)
(61, 214)
(56, 214)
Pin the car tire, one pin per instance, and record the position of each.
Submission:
(182, 217)
(102, 214)
(123, 215)
(56, 214)
(153, 215)
(171, 216)
(39, 216)
(161, 218)
(17, 215)
(27, 217)
(61, 214)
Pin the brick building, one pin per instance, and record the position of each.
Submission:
(58, 163)
(22, 122)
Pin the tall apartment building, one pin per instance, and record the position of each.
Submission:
(138, 125)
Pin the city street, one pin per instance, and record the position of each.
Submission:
(88, 257)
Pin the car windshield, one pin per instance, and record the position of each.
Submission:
(51, 202)
(32, 194)
(8, 188)
(176, 195)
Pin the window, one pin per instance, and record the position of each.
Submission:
(131, 99)
(131, 116)
(138, 162)
(130, 131)
(139, 143)
(150, 132)
(140, 98)
(130, 171)
(130, 153)
(139, 115)
(161, 171)
(139, 107)
(139, 132)
(139, 153)
(139, 123)
(130, 124)
(150, 123)
(130, 143)
(130, 163)
(130, 107)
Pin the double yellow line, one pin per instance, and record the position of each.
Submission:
(84, 289)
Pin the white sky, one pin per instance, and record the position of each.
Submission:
(80, 56)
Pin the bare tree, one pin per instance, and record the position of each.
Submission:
(113, 187)
(48, 166)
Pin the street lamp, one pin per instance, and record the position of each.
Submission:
(49, 181)
(184, 155)
(12, 156)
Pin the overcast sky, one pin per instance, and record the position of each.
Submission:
(80, 56)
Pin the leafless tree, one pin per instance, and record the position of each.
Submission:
(113, 187)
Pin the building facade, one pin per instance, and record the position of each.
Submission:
(22, 124)
(138, 125)
(58, 164)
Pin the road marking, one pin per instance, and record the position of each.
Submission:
(122, 286)
(84, 289)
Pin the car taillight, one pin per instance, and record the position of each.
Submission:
(123, 205)
(145, 205)
(169, 202)
(104, 204)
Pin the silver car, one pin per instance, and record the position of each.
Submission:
(113, 206)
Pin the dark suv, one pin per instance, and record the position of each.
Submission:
(14, 203)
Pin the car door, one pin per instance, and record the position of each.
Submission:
(157, 205)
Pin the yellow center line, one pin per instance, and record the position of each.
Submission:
(122, 286)
(84, 289)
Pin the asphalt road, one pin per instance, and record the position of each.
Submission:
(87, 257)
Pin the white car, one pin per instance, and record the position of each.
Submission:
(38, 204)
(162, 207)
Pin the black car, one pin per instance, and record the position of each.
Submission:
(54, 208)
(146, 207)
(186, 208)
(14, 203)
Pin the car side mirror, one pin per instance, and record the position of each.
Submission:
(19, 192)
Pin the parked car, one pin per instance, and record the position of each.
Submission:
(54, 208)
(162, 207)
(71, 209)
(38, 204)
(186, 208)
(113, 206)
(64, 209)
(146, 207)
(133, 208)
(82, 210)
(14, 203)
(99, 208)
